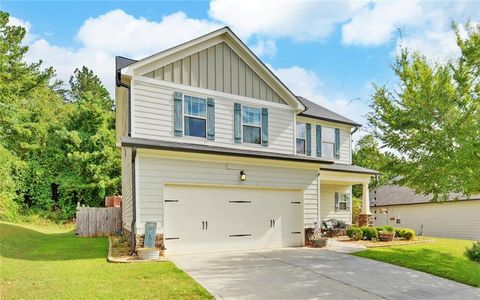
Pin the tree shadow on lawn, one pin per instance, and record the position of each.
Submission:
(19, 242)
(431, 261)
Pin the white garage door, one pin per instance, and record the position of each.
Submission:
(208, 219)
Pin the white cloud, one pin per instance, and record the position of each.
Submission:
(375, 24)
(116, 33)
(265, 48)
(298, 20)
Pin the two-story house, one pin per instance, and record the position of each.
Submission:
(222, 155)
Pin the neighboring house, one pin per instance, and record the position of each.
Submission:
(222, 155)
(398, 206)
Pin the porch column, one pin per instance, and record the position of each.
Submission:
(366, 199)
(365, 218)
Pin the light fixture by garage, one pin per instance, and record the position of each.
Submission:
(243, 175)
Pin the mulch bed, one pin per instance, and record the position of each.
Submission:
(377, 244)
(119, 251)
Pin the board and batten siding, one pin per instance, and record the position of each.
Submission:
(327, 202)
(155, 171)
(345, 138)
(127, 188)
(153, 112)
(460, 219)
(217, 68)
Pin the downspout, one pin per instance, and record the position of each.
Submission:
(134, 202)
(119, 83)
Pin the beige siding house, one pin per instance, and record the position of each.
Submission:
(398, 206)
(222, 156)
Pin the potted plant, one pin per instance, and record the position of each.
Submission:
(387, 234)
(148, 253)
(319, 240)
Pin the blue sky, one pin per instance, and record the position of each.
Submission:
(330, 52)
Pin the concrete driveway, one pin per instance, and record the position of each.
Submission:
(305, 273)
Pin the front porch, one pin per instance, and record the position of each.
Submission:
(335, 191)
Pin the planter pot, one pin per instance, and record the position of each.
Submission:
(148, 253)
(386, 236)
(319, 243)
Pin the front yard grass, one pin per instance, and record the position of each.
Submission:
(50, 262)
(443, 257)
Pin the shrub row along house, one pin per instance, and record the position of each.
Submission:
(458, 217)
(222, 155)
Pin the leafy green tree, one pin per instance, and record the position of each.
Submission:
(432, 119)
(367, 154)
(88, 144)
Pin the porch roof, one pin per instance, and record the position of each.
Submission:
(348, 169)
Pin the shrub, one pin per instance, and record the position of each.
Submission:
(369, 232)
(407, 233)
(355, 233)
(379, 228)
(398, 232)
(388, 228)
(473, 253)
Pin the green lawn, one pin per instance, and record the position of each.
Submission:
(50, 262)
(444, 258)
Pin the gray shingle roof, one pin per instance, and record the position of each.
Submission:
(208, 149)
(348, 168)
(390, 194)
(319, 112)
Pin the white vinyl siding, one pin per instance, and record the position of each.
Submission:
(345, 138)
(459, 220)
(127, 187)
(327, 202)
(155, 171)
(152, 117)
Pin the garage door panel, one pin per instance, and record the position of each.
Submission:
(235, 218)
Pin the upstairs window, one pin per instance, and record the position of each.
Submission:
(328, 142)
(252, 125)
(195, 116)
(301, 137)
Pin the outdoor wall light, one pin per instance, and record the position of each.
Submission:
(243, 175)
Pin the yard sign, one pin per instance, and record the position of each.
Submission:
(150, 233)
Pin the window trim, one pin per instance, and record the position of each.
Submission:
(304, 139)
(184, 114)
(256, 126)
(323, 141)
(343, 198)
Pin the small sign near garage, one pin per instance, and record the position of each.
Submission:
(150, 234)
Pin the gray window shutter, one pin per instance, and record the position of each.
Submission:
(337, 143)
(309, 138)
(237, 120)
(178, 114)
(337, 196)
(264, 127)
(319, 140)
(210, 119)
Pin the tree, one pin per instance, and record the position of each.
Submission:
(432, 119)
(367, 154)
(88, 144)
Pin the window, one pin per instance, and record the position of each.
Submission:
(301, 137)
(252, 125)
(342, 202)
(195, 116)
(328, 142)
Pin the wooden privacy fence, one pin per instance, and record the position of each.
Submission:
(99, 221)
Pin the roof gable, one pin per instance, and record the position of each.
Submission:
(219, 61)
